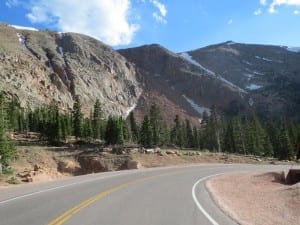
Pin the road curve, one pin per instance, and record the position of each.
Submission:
(171, 195)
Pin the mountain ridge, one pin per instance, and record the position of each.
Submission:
(41, 66)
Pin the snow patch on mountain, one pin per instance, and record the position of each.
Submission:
(61, 51)
(258, 73)
(129, 110)
(190, 59)
(293, 49)
(21, 40)
(199, 109)
(268, 60)
(253, 87)
(248, 75)
(23, 28)
(248, 63)
(230, 43)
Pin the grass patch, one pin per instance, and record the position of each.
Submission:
(7, 171)
(13, 180)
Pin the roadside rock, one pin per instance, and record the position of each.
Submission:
(107, 149)
(37, 167)
(160, 153)
(177, 153)
(91, 164)
(149, 151)
(67, 166)
(132, 164)
(26, 175)
(170, 152)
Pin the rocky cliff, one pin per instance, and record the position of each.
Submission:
(38, 67)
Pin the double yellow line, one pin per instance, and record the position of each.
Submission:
(71, 212)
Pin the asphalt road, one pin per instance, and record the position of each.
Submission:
(160, 196)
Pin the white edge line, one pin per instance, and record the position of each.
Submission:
(81, 182)
(59, 187)
(198, 203)
(87, 181)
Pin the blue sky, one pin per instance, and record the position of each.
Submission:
(179, 25)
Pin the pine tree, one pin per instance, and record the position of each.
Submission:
(259, 135)
(268, 148)
(189, 134)
(286, 150)
(114, 133)
(228, 138)
(133, 128)
(239, 136)
(146, 133)
(212, 131)
(249, 137)
(13, 111)
(97, 120)
(77, 118)
(110, 131)
(86, 129)
(273, 134)
(196, 138)
(177, 133)
(7, 147)
(156, 125)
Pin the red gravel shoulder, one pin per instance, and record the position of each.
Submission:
(257, 198)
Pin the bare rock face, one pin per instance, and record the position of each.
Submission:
(38, 67)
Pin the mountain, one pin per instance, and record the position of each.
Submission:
(236, 78)
(269, 74)
(178, 85)
(38, 67)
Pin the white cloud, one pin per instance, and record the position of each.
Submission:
(296, 12)
(162, 8)
(257, 12)
(102, 19)
(159, 16)
(11, 3)
(229, 22)
(276, 3)
(263, 2)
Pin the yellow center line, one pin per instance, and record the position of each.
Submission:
(69, 213)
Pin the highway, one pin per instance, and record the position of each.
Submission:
(157, 196)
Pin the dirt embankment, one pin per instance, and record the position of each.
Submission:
(42, 163)
(257, 198)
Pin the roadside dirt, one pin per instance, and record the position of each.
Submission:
(38, 163)
(257, 198)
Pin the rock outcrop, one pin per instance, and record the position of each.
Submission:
(38, 67)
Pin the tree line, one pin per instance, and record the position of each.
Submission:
(243, 135)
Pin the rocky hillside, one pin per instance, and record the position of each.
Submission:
(237, 78)
(178, 85)
(269, 74)
(40, 66)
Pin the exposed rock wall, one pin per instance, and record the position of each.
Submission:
(40, 66)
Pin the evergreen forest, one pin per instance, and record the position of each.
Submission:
(240, 135)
